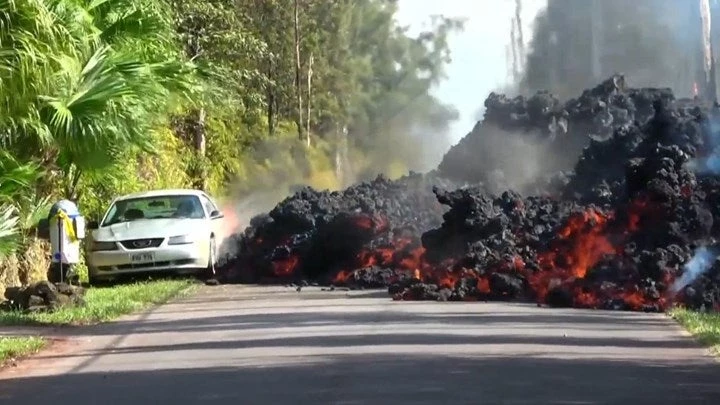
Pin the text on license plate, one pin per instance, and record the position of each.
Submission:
(141, 257)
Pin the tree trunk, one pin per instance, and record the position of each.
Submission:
(596, 41)
(309, 97)
(270, 97)
(520, 34)
(298, 91)
(710, 89)
(515, 70)
(343, 170)
(72, 179)
(195, 131)
(200, 181)
(338, 157)
(199, 133)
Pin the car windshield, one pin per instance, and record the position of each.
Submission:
(167, 206)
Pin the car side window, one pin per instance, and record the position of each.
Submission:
(209, 206)
(111, 215)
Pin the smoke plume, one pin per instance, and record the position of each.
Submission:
(700, 263)
(501, 159)
(709, 163)
(654, 42)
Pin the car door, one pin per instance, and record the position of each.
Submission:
(216, 223)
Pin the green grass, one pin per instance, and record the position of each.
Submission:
(704, 326)
(14, 347)
(104, 304)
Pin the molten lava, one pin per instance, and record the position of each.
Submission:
(580, 235)
(285, 267)
(580, 245)
(585, 239)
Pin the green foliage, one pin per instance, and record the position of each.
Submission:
(16, 181)
(15, 177)
(137, 170)
(12, 347)
(100, 98)
(705, 326)
(8, 230)
(89, 88)
(104, 304)
(368, 76)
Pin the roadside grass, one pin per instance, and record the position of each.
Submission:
(14, 347)
(704, 326)
(105, 304)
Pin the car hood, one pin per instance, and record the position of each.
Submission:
(148, 228)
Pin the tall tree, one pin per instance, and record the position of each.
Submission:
(298, 72)
(653, 42)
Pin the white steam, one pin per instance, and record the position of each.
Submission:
(240, 210)
(694, 268)
(502, 159)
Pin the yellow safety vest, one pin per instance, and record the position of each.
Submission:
(67, 224)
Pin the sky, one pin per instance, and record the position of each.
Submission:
(479, 62)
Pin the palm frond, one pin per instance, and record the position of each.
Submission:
(31, 209)
(85, 77)
(9, 232)
(15, 177)
(75, 118)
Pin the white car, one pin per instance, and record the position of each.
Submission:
(157, 230)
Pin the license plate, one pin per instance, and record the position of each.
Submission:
(142, 257)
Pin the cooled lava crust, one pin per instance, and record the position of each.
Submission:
(631, 197)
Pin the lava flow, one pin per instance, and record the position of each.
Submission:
(584, 239)
(610, 225)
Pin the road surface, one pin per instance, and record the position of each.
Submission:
(273, 345)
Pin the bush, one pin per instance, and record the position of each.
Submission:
(28, 264)
(137, 171)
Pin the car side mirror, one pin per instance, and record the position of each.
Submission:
(216, 214)
(92, 225)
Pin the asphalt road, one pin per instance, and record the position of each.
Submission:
(256, 345)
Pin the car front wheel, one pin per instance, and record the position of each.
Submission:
(210, 270)
(95, 281)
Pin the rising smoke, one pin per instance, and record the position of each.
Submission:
(501, 159)
(574, 45)
(656, 43)
(700, 263)
(239, 210)
(278, 167)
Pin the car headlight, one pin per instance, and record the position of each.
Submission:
(99, 246)
(181, 240)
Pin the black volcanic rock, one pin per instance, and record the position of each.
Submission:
(597, 202)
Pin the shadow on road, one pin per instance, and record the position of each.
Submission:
(312, 316)
(270, 351)
(387, 379)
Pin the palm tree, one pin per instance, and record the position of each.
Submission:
(79, 81)
(87, 85)
(16, 182)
